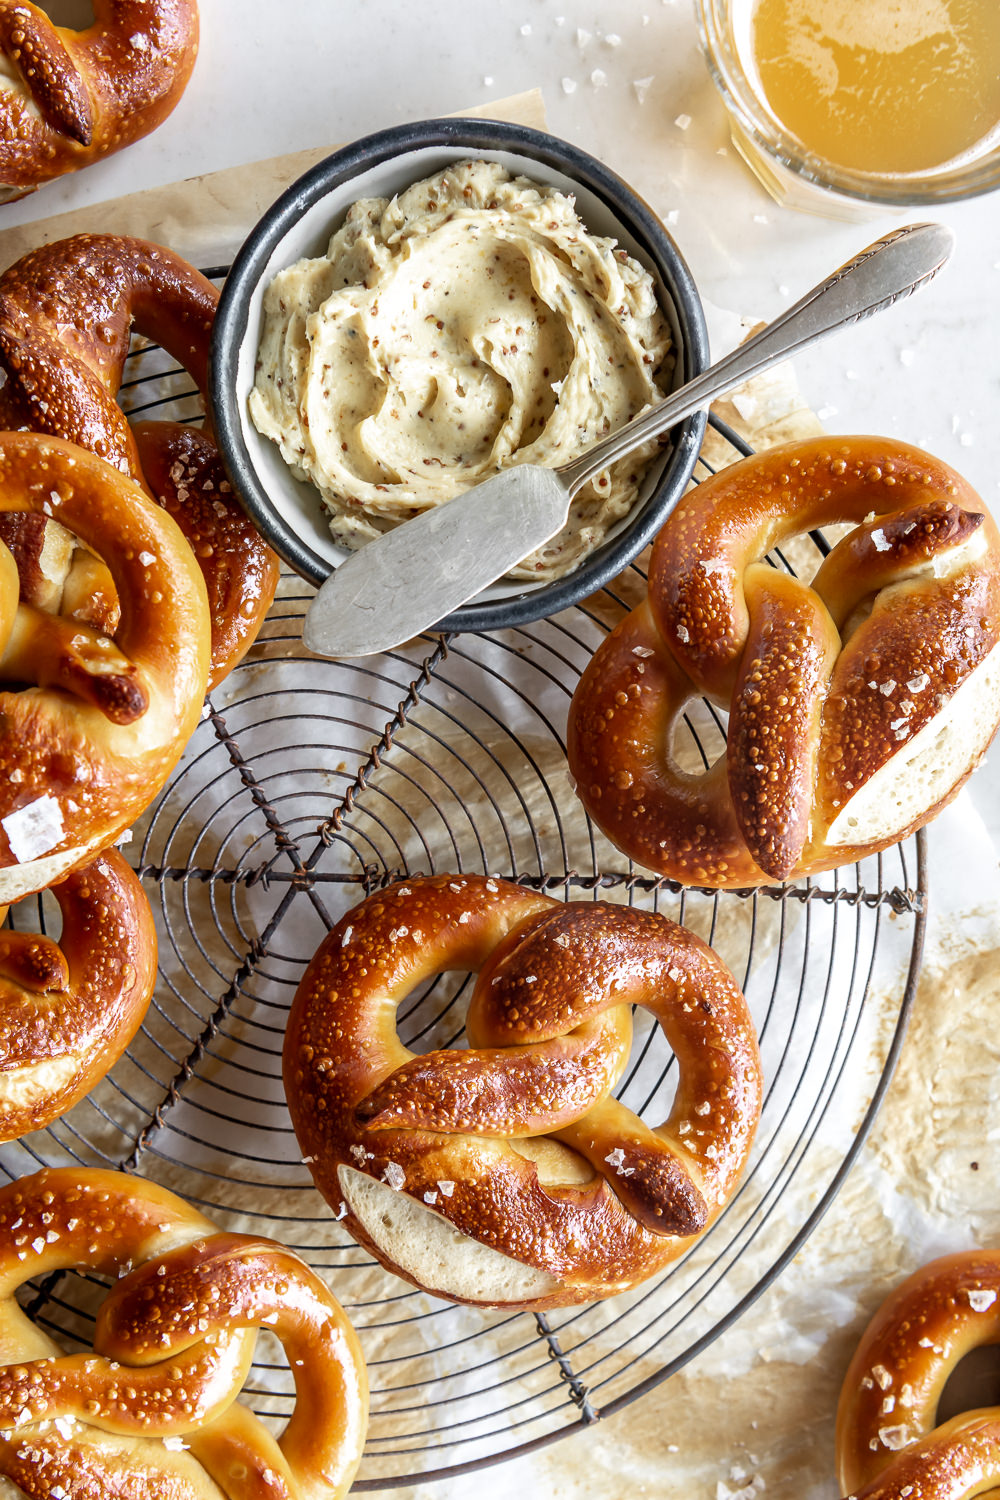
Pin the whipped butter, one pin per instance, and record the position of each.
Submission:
(470, 323)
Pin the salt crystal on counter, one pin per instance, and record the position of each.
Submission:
(599, 78)
(582, 37)
(641, 86)
(569, 85)
(682, 122)
(35, 829)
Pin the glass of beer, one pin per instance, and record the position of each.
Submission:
(849, 107)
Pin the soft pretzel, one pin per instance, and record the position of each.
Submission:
(152, 1410)
(98, 723)
(412, 1149)
(888, 1441)
(67, 313)
(69, 1009)
(858, 703)
(72, 97)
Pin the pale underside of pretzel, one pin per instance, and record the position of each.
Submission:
(153, 1407)
(889, 1442)
(69, 1010)
(858, 703)
(560, 1194)
(67, 314)
(73, 97)
(98, 723)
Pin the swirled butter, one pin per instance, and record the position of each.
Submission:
(470, 323)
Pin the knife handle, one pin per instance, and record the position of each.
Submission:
(891, 268)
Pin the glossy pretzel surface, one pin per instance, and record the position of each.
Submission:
(68, 311)
(77, 96)
(153, 1409)
(550, 1029)
(890, 1445)
(836, 689)
(69, 1009)
(91, 725)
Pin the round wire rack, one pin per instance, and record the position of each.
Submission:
(311, 783)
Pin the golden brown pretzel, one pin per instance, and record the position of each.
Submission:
(67, 313)
(550, 1025)
(888, 1440)
(858, 704)
(75, 96)
(101, 723)
(152, 1410)
(69, 1009)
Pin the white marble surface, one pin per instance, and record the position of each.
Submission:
(626, 82)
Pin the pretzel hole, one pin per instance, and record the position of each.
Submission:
(698, 737)
(39, 914)
(75, 14)
(432, 1017)
(973, 1383)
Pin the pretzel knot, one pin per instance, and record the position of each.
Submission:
(67, 314)
(76, 96)
(889, 1443)
(69, 1010)
(858, 702)
(153, 1408)
(472, 1134)
(96, 724)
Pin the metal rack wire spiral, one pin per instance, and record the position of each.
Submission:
(309, 784)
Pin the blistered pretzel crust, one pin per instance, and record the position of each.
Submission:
(73, 97)
(889, 1443)
(153, 1409)
(858, 703)
(69, 1009)
(101, 723)
(454, 1132)
(67, 314)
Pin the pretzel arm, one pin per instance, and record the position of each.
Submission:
(504, 1091)
(250, 1283)
(32, 962)
(61, 653)
(891, 550)
(45, 391)
(194, 1386)
(79, 95)
(774, 726)
(52, 79)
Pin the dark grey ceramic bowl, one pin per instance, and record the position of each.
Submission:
(288, 511)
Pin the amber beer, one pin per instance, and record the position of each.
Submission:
(879, 86)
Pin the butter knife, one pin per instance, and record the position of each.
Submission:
(402, 582)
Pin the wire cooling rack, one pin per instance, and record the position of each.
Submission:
(311, 783)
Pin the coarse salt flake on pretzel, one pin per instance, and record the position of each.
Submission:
(91, 725)
(859, 701)
(153, 1409)
(69, 1009)
(890, 1445)
(508, 1174)
(68, 311)
(69, 98)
